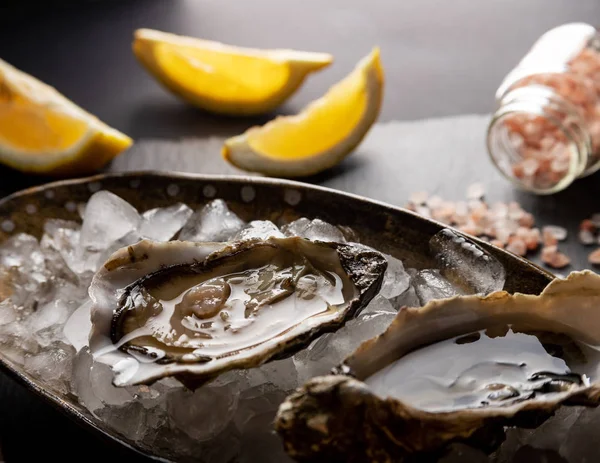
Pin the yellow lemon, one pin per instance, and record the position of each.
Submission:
(43, 132)
(222, 78)
(321, 135)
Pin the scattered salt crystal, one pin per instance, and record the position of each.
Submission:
(586, 237)
(588, 225)
(498, 243)
(527, 220)
(594, 257)
(548, 238)
(517, 246)
(419, 197)
(424, 211)
(532, 241)
(475, 191)
(434, 201)
(560, 233)
(595, 220)
(553, 258)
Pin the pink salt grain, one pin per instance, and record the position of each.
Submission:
(586, 237)
(418, 197)
(588, 225)
(594, 257)
(553, 258)
(532, 241)
(475, 191)
(560, 233)
(548, 238)
(517, 246)
(527, 220)
(497, 243)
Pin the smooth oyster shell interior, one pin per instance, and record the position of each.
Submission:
(458, 369)
(194, 310)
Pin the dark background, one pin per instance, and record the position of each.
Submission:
(441, 58)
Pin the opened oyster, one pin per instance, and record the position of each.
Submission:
(194, 310)
(458, 369)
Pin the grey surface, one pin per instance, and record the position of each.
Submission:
(441, 58)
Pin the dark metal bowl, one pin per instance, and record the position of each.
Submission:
(390, 229)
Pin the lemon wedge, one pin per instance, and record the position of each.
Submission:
(222, 78)
(43, 132)
(321, 135)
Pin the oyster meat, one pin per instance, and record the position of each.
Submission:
(456, 370)
(194, 310)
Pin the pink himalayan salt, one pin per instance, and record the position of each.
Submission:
(552, 257)
(560, 233)
(476, 191)
(548, 238)
(588, 224)
(418, 197)
(594, 257)
(497, 223)
(517, 246)
(586, 237)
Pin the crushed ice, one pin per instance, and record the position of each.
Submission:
(44, 322)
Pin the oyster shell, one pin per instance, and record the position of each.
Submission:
(194, 310)
(501, 360)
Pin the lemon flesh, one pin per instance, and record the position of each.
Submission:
(221, 78)
(43, 132)
(321, 135)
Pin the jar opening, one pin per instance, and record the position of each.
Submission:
(536, 144)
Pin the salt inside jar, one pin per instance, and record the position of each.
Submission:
(545, 132)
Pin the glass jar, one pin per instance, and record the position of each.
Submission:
(545, 132)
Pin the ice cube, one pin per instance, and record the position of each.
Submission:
(257, 400)
(8, 312)
(331, 349)
(101, 377)
(107, 218)
(214, 222)
(52, 366)
(78, 326)
(135, 421)
(203, 413)
(430, 285)
(162, 223)
(17, 338)
(260, 442)
(408, 298)
(81, 384)
(465, 264)
(23, 252)
(579, 442)
(62, 237)
(396, 280)
(24, 278)
(315, 229)
(281, 373)
(259, 229)
(379, 304)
